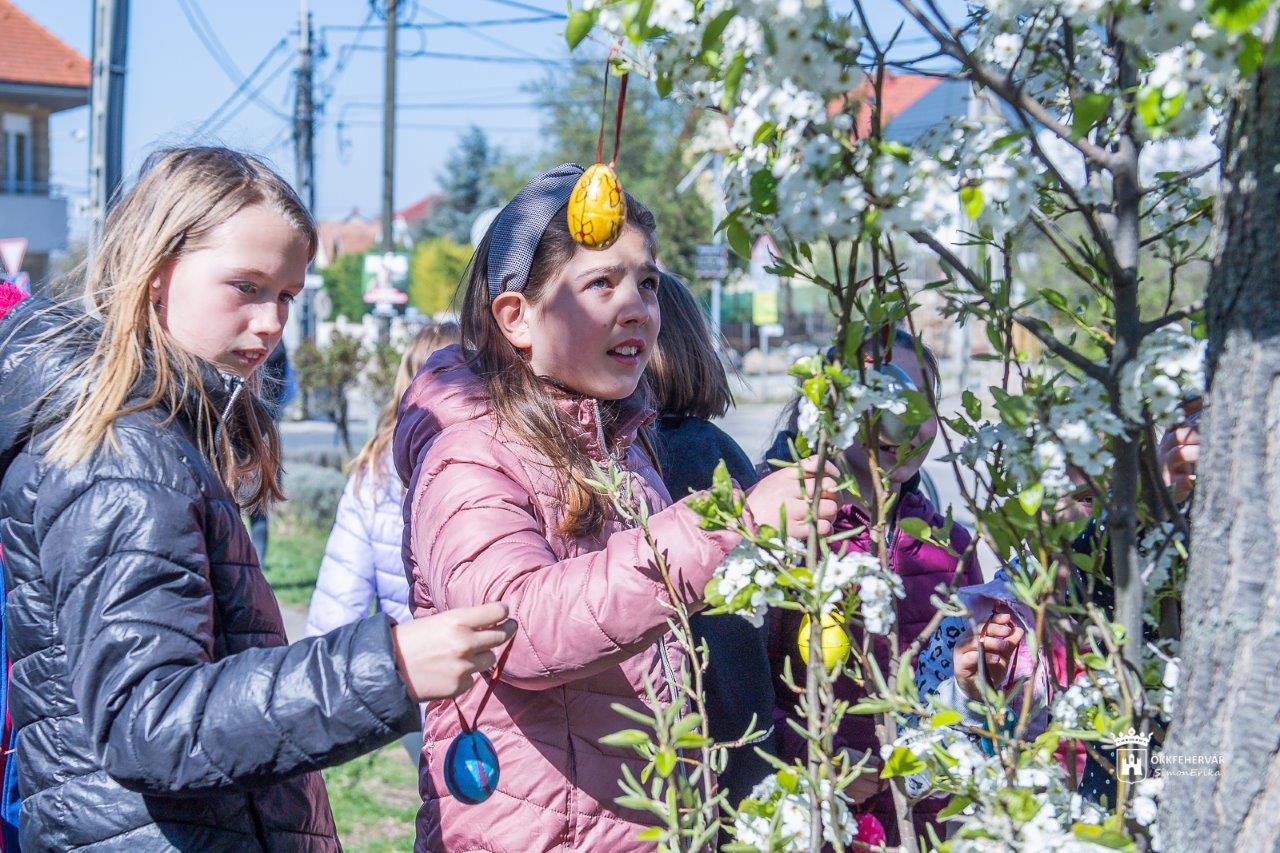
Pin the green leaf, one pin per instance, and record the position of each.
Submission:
(653, 833)
(972, 405)
(715, 29)
(580, 23)
(1031, 497)
(764, 192)
(902, 762)
(664, 761)
(789, 781)
(1093, 660)
(916, 528)
(1020, 803)
(1236, 16)
(634, 715)
(1250, 55)
(686, 725)
(763, 132)
(733, 81)
(1102, 836)
(693, 740)
(1086, 110)
(872, 706)
(971, 200)
(626, 737)
(955, 807)
(1056, 299)
(739, 239)
(948, 717)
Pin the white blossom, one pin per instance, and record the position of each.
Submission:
(1168, 368)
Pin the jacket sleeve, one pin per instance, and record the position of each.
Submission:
(476, 538)
(347, 584)
(128, 567)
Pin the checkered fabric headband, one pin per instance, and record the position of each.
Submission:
(519, 226)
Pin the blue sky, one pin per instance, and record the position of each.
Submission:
(174, 84)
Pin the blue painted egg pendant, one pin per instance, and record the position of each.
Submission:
(471, 766)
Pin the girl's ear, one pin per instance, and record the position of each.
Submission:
(511, 311)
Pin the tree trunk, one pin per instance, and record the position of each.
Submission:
(1229, 701)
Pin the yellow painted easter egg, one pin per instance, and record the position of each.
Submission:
(835, 642)
(597, 208)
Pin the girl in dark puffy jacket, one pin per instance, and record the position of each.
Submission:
(922, 567)
(157, 704)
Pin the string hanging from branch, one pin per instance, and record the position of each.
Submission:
(597, 206)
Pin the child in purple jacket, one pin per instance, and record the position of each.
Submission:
(923, 567)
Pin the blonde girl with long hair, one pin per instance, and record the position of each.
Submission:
(156, 702)
(362, 564)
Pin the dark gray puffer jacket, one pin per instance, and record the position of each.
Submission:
(157, 704)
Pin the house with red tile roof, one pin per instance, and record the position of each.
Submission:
(39, 75)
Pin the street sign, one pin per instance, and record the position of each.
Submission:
(764, 307)
(12, 251)
(711, 260)
(384, 272)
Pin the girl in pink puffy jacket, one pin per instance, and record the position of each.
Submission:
(496, 441)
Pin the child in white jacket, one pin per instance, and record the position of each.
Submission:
(362, 566)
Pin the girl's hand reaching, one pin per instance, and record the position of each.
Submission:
(997, 640)
(782, 489)
(438, 656)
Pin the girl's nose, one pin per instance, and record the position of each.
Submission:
(267, 319)
(636, 310)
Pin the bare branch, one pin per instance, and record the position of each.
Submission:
(1044, 333)
(1172, 317)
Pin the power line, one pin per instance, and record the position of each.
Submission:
(528, 7)
(208, 37)
(484, 58)
(215, 121)
(482, 35)
(344, 55)
(400, 125)
(450, 24)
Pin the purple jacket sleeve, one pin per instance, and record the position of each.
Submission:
(477, 537)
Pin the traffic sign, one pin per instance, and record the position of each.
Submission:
(711, 260)
(764, 307)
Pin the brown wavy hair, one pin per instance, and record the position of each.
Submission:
(181, 196)
(686, 376)
(520, 398)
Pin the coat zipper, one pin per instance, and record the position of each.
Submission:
(667, 669)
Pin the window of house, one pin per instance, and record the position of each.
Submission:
(17, 153)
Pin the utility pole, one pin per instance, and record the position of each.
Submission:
(304, 166)
(304, 162)
(106, 130)
(304, 114)
(389, 132)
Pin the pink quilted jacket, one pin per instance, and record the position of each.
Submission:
(481, 526)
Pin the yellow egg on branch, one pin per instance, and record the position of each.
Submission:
(597, 208)
(834, 641)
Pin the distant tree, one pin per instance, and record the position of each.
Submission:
(344, 282)
(434, 272)
(467, 186)
(327, 372)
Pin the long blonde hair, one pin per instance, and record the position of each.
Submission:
(181, 196)
(371, 460)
